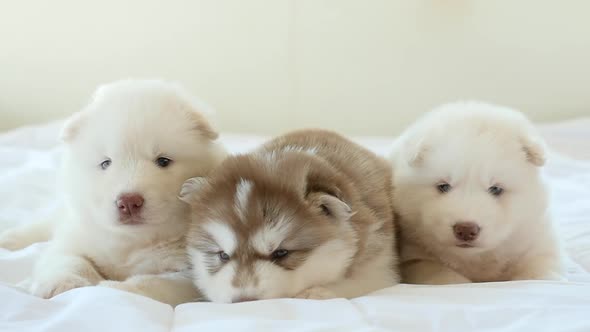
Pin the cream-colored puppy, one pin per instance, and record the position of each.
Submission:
(126, 156)
(471, 202)
(308, 215)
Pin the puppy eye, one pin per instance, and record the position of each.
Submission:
(495, 190)
(223, 256)
(279, 253)
(105, 164)
(163, 162)
(444, 187)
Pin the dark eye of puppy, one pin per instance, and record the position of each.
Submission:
(105, 164)
(223, 256)
(444, 187)
(279, 253)
(495, 190)
(163, 162)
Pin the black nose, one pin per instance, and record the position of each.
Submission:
(466, 231)
(129, 204)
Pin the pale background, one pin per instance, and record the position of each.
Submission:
(361, 67)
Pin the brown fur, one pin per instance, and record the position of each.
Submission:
(287, 180)
(363, 177)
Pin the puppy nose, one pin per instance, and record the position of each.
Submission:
(243, 299)
(129, 204)
(466, 231)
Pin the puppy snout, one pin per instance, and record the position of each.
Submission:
(466, 231)
(129, 204)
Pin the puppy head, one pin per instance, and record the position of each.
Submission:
(129, 151)
(466, 176)
(267, 229)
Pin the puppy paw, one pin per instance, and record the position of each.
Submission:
(555, 276)
(14, 239)
(51, 287)
(316, 293)
(121, 285)
(552, 276)
(25, 284)
(446, 279)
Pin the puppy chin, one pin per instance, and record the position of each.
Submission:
(465, 245)
(467, 250)
(476, 247)
(133, 221)
(129, 225)
(117, 226)
(220, 297)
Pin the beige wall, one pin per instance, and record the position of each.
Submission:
(363, 67)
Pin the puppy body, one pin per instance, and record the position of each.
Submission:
(308, 215)
(478, 165)
(136, 140)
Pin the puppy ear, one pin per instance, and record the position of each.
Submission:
(322, 190)
(332, 206)
(190, 188)
(203, 126)
(534, 149)
(199, 113)
(412, 152)
(72, 126)
(416, 156)
(326, 198)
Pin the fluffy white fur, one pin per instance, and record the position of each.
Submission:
(473, 146)
(131, 123)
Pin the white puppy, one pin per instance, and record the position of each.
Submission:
(126, 155)
(471, 202)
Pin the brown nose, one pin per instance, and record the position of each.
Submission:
(243, 299)
(129, 204)
(466, 231)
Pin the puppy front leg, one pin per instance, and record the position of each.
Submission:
(56, 273)
(373, 275)
(539, 267)
(316, 293)
(23, 236)
(430, 273)
(172, 288)
(350, 287)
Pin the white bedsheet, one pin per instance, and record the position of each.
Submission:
(28, 160)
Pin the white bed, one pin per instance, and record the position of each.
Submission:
(28, 160)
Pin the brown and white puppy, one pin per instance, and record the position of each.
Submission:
(308, 215)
